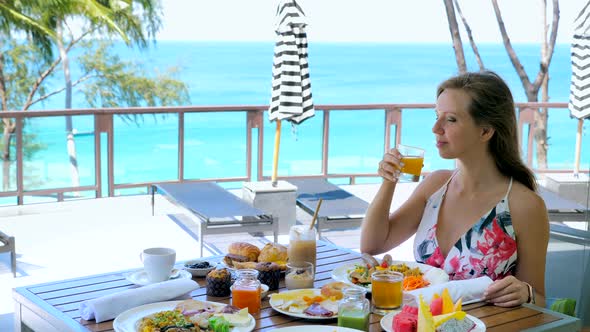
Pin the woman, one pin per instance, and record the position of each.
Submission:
(483, 218)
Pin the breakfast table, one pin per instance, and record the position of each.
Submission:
(54, 306)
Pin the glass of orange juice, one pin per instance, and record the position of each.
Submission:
(413, 159)
(386, 289)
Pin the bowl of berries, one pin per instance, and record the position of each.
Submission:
(198, 267)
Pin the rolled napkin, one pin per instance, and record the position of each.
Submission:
(110, 306)
(470, 290)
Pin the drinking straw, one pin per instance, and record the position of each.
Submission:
(315, 214)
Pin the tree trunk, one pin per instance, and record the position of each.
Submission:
(71, 144)
(456, 36)
(470, 36)
(6, 140)
(542, 115)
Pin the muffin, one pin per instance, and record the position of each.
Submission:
(218, 282)
(269, 274)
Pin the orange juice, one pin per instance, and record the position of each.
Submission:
(412, 165)
(386, 288)
(387, 294)
(246, 297)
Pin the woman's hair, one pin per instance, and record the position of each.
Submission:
(492, 105)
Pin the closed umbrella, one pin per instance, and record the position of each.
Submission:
(579, 103)
(291, 87)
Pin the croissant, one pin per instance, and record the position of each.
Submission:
(244, 249)
(274, 252)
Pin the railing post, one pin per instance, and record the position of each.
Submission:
(393, 116)
(325, 143)
(526, 115)
(180, 146)
(103, 123)
(19, 161)
(254, 120)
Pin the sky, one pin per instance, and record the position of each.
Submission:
(406, 21)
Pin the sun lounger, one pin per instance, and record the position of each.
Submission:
(7, 245)
(340, 209)
(562, 209)
(217, 211)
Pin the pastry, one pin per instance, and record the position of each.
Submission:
(274, 252)
(218, 282)
(334, 290)
(269, 274)
(241, 252)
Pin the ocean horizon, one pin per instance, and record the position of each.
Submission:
(239, 73)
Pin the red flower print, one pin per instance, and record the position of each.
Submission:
(497, 247)
(436, 259)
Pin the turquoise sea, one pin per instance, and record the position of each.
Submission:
(234, 73)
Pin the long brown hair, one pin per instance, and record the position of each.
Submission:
(492, 105)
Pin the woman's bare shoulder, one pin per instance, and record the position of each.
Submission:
(434, 181)
(525, 204)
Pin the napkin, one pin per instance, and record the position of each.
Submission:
(110, 306)
(470, 290)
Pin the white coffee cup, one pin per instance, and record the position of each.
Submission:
(158, 263)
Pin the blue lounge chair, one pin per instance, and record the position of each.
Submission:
(340, 209)
(217, 211)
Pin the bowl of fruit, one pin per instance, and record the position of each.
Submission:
(199, 267)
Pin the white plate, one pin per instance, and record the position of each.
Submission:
(126, 321)
(273, 304)
(316, 328)
(140, 277)
(387, 321)
(340, 273)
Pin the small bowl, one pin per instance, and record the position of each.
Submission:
(198, 272)
(263, 290)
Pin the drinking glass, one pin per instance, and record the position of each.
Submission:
(386, 289)
(299, 275)
(413, 159)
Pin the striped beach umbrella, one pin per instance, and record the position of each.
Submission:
(579, 103)
(291, 88)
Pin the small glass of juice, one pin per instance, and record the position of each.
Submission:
(246, 291)
(386, 288)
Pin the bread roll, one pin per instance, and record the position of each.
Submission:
(244, 265)
(273, 252)
(245, 249)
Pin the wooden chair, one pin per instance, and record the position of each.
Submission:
(8, 245)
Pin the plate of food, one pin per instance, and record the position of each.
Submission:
(308, 303)
(192, 315)
(468, 323)
(315, 328)
(417, 275)
(441, 315)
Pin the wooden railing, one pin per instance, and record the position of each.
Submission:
(103, 123)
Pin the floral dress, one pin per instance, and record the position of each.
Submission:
(486, 249)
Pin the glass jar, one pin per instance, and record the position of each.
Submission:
(302, 244)
(246, 291)
(354, 309)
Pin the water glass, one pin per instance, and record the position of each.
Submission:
(386, 288)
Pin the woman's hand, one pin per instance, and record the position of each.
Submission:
(507, 292)
(390, 166)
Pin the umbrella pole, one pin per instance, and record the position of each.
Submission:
(275, 158)
(578, 148)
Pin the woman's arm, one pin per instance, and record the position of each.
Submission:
(531, 226)
(382, 231)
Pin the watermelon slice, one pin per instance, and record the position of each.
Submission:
(436, 306)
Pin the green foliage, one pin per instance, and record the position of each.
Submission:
(22, 64)
(117, 83)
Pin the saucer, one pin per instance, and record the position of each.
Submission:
(140, 277)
